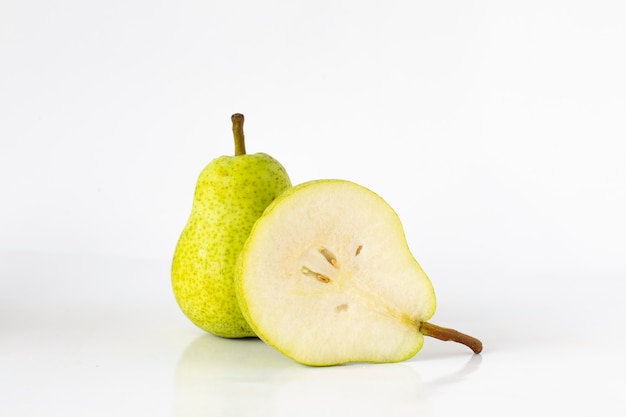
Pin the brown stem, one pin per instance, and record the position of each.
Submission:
(240, 144)
(446, 334)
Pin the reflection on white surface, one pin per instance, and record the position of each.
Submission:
(225, 377)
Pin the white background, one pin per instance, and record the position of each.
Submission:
(495, 129)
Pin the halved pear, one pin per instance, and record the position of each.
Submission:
(326, 277)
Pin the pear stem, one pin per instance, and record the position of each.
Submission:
(240, 144)
(446, 334)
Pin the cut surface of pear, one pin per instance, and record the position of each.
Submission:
(326, 277)
(231, 194)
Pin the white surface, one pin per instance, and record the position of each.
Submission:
(495, 129)
(103, 336)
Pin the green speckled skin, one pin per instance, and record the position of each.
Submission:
(231, 194)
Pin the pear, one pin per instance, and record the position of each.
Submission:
(326, 277)
(231, 194)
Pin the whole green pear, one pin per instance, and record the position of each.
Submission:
(231, 194)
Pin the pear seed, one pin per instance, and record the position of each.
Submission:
(323, 278)
(341, 307)
(358, 250)
(317, 275)
(329, 256)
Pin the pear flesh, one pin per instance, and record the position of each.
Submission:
(327, 277)
(231, 194)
